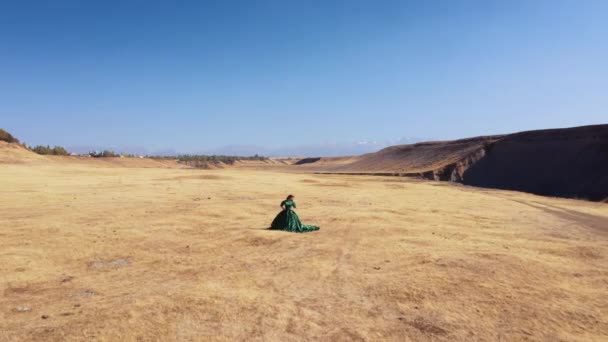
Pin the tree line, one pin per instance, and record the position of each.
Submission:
(56, 151)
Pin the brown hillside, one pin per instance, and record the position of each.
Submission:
(568, 162)
(429, 159)
(421, 157)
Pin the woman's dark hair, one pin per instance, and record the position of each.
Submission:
(290, 196)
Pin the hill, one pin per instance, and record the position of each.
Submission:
(566, 162)
(434, 160)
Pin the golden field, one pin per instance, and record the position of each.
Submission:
(100, 252)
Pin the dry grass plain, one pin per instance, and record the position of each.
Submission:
(146, 254)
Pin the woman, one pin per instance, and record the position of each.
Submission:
(288, 220)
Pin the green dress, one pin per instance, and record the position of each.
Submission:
(288, 220)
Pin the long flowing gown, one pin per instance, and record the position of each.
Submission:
(289, 221)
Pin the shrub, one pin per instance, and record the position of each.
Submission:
(60, 151)
(6, 136)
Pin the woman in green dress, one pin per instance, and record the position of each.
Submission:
(288, 220)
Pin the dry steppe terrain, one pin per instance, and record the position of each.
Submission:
(96, 251)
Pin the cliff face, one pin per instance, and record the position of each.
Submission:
(454, 172)
(570, 162)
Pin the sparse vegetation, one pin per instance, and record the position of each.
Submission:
(6, 136)
(219, 158)
(203, 161)
(47, 150)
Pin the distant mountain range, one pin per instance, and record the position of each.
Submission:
(312, 150)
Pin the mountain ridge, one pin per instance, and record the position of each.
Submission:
(562, 162)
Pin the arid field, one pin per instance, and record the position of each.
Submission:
(108, 252)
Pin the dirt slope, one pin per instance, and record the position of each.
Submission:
(12, 153)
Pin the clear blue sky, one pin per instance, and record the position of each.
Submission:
(192, 75)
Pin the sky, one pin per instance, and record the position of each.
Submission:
(191, 76)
